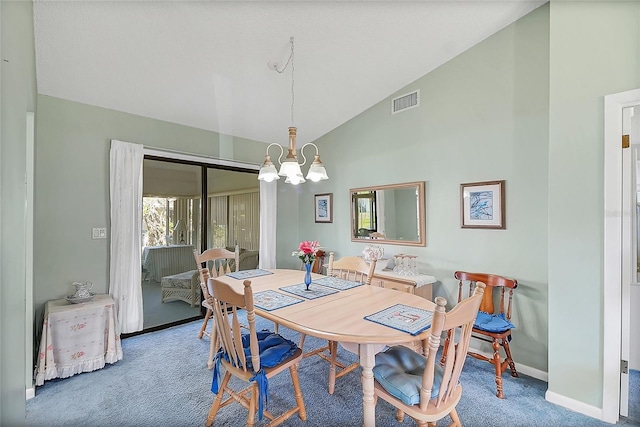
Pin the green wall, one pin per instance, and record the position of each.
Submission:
(18, 92)
(482, 116)
(595, 51)
(72, 184)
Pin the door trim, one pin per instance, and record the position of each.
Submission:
(612, 312)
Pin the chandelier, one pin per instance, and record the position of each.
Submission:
(290, 167)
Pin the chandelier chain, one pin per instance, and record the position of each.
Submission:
(293, 96)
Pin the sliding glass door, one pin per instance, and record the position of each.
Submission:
(176, 222)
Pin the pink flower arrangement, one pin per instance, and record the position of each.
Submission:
(307, 251)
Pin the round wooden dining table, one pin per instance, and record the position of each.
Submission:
(339, 317)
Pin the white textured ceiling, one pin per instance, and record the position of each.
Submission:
(204, 64)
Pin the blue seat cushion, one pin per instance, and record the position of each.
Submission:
(273, 348)
(492, 322)
(399, 371)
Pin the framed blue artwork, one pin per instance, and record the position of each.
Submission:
(324, 207)
(483, 205)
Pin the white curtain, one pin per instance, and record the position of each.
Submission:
(218, 224)
(268, 212)
(244, 220)
(126, 233)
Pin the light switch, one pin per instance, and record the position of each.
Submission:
(99, 233)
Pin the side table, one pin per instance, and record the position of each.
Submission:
(77, 338)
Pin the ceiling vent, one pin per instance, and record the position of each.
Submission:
(405, 102)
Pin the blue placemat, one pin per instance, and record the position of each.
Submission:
(247, 274)
(272, 300)
(337, 283)
(404, 318)
(315, 290)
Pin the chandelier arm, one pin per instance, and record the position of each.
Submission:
(281, 151)
(304, 159)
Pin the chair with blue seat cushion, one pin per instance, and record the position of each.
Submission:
(493, 323)
(416, 385)
(254, 357)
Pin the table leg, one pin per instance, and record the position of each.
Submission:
(367, 361)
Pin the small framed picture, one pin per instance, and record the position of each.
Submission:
(482, 205)
(324, 207)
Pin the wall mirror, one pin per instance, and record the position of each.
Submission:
(390, 214)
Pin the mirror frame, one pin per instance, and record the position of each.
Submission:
(421, 212)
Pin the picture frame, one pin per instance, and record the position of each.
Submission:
(482, 205)
(323, 207)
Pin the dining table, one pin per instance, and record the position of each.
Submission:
(339, 316)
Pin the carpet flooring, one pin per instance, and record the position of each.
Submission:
(634, 396)
(163, 381)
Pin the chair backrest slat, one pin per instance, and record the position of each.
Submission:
(221, 313)
(351, 268)
(237, 349)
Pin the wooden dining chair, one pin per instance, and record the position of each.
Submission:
(212, 263)
(254, 358)
(493, 323)
(355, 269)
(414, 384)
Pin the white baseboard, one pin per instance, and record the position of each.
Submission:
(574, 405)
(31, 393)
(526, 370)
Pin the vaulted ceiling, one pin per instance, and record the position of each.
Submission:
(204, 63)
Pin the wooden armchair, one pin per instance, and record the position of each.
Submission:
(413, 383)
(355, 269)
(493, 324)
(241, 357)
(220, 260)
